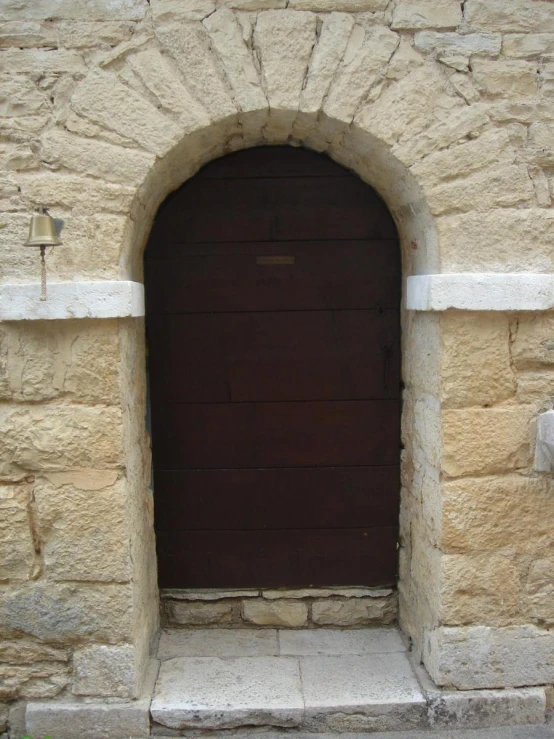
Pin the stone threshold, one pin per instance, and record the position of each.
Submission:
(286, 608)
(225, 683)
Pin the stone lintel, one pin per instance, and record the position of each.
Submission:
(481, 292)
(66, 300)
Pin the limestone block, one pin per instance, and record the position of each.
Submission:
(199, 614)
(105, 101)
(495, 513)
(43, 62)
(485, 441)
(226, 36)
(523, 45)
(17, 551)
(171, 10)
(133, 10)
(511, 78)
(474, 346)
(480, 588)
(17, 156)
(328, 52)
(496, 238)
(189, 44)
(20, 652)
(409, 107)
(65, 613)
(366, 56)
(404, 60)
(275, 613)
(105, 670)
(55, 437)
(547, 80)
(544, 448)
(93, 34)
(461, 123)
(540, 185)
(84, 533)
(159, 76)
(527, 16)
(89, 720)
(4, 715)
(533, 345)
(284, 42)
(490, 148)
(410, 14)
(255, 4)
(502, 186)
(538, 600)
(20, 97)
(354, 612)
(93, 248)
(341, 6)
(24, 34)
(86, 156)
(535, 387)
(35, 681)
(467, 45)
(474, 657)
(93, 373)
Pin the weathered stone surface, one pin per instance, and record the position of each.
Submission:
(488, 514)
(67, 613)
(502, 186)
(485, 441)
(330, 642)
(479, 709)
(527, 45)
(474, 346)
(255, 4)
(226, 35)
(547, 80)
(213, 693)
(366, 55)
(84, 533)
(89, 720)
(189, 44)
(527, 16)
(480, 588)
(33, 681)
(326, 57)
(472, 43)
(218, 643)
(17, 551)
(54, 437)
(27, 652)
(112, 163)
(404, 60)
(105, 670)
(356, 592)
(535, 387)
(23, 34)
(104, 100)
(483, 657)
(52, 9)
(497, 237)
(275, 613)
(20, 97)
(170, 10)
(163, 81)
(344, 6)
(426, 14)
(284, 41)
(198, 614)
(354, 612)
(43, 62)
(533, 345)
(512, 78)
(85, 34)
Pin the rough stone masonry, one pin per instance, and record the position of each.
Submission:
(447, 109)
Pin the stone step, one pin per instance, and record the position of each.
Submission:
(315, 680)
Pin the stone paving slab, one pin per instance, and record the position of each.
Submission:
(215, 693)
(339, 642)
(218, 643)
(515, 732)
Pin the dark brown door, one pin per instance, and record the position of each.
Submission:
(273, 292)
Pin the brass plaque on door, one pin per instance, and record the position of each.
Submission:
(274, 260)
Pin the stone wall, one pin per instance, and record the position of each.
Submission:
(447, 109)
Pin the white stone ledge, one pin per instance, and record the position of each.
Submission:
(481, 292)
(105, 299)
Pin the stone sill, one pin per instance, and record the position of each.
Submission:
(481, 292)
(66, 300)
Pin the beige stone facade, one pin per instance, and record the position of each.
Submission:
(447, 110)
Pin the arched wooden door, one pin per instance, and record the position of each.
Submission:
(273, 294)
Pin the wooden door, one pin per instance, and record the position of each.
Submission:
(273, 293)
